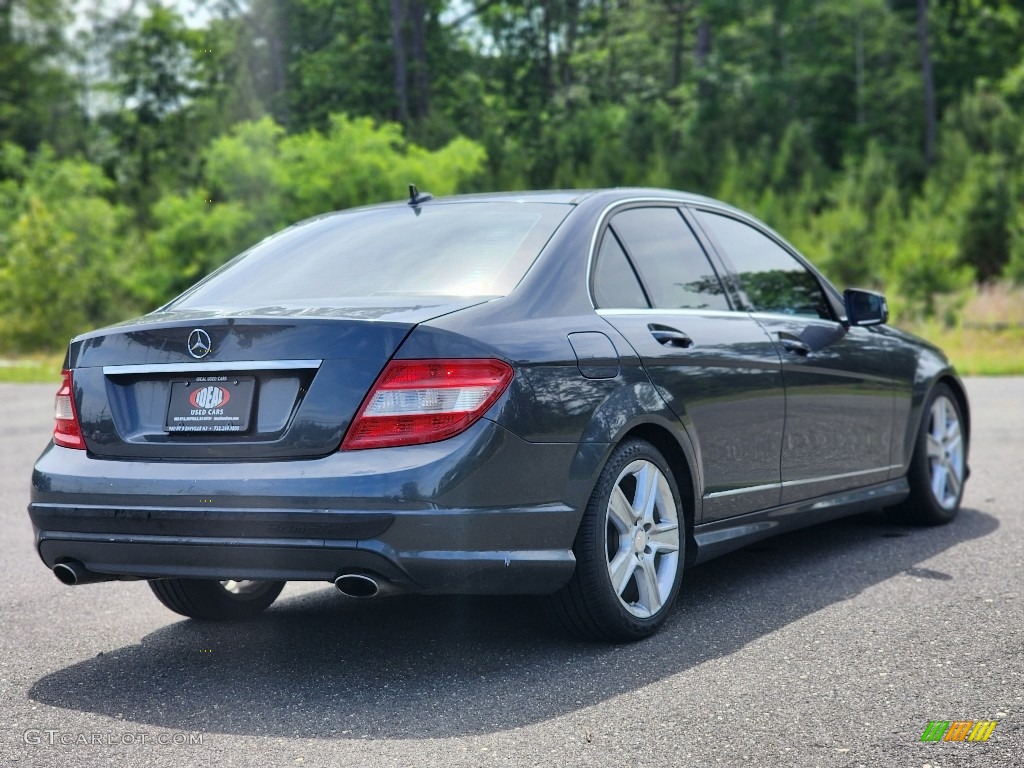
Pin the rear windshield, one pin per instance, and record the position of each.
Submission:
(441, 249)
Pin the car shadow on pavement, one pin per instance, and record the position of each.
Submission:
(322, 666)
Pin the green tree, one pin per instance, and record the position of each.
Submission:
(67, 256)
(147, 140)
(37, 91)
(258, 179)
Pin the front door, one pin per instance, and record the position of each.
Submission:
(839, 386)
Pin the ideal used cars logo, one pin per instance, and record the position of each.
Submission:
(209, 397)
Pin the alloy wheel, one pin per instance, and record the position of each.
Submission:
(642, 539)
(945, 451)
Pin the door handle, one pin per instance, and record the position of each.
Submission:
(670, 337)
(793, 345)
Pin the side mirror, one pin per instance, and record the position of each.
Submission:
(865, 307)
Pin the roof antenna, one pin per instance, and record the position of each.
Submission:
(416, 197)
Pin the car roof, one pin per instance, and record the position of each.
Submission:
(567, 197)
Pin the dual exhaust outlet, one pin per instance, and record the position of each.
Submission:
(359, 585)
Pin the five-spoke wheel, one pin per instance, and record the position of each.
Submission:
(643, 538)
(939, 465)
(945, 450)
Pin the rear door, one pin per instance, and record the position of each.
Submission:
(717, 369)
(839, 386)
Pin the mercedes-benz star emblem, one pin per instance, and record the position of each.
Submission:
(199, 344)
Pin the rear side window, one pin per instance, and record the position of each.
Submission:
(458, 249)
(673, 267)
(771, 277)
(615, 282)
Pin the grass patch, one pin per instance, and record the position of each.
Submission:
(984, 335)
(978, 351)
(32, 369)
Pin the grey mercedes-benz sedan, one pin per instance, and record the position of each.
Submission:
(572, 394)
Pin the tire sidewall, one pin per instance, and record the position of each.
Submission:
(208, 600)
(591, 556)
(926, 509)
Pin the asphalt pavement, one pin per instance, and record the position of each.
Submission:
(833, 646)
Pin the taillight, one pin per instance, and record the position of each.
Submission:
(67, 431)
(423, 401)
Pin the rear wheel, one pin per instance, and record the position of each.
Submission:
(629, 550)
(216, 600)
(939, 466)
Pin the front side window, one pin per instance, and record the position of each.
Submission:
(673, 267)
(770, 276)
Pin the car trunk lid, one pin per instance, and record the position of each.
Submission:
(257, 384)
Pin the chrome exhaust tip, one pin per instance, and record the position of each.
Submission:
(357, 585)
(73, 573)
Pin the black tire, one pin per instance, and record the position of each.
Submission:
(648, 570)
(938, 468)
(216, 600)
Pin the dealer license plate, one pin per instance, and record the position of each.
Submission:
(210, 404)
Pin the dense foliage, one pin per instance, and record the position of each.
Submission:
(138, 151)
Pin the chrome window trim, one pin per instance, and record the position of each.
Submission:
(680, 312)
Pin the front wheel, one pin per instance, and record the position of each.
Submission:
(938, 468)
(216, 600)
(629, 550)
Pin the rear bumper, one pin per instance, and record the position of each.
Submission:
(196, 557)
(482, 513)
